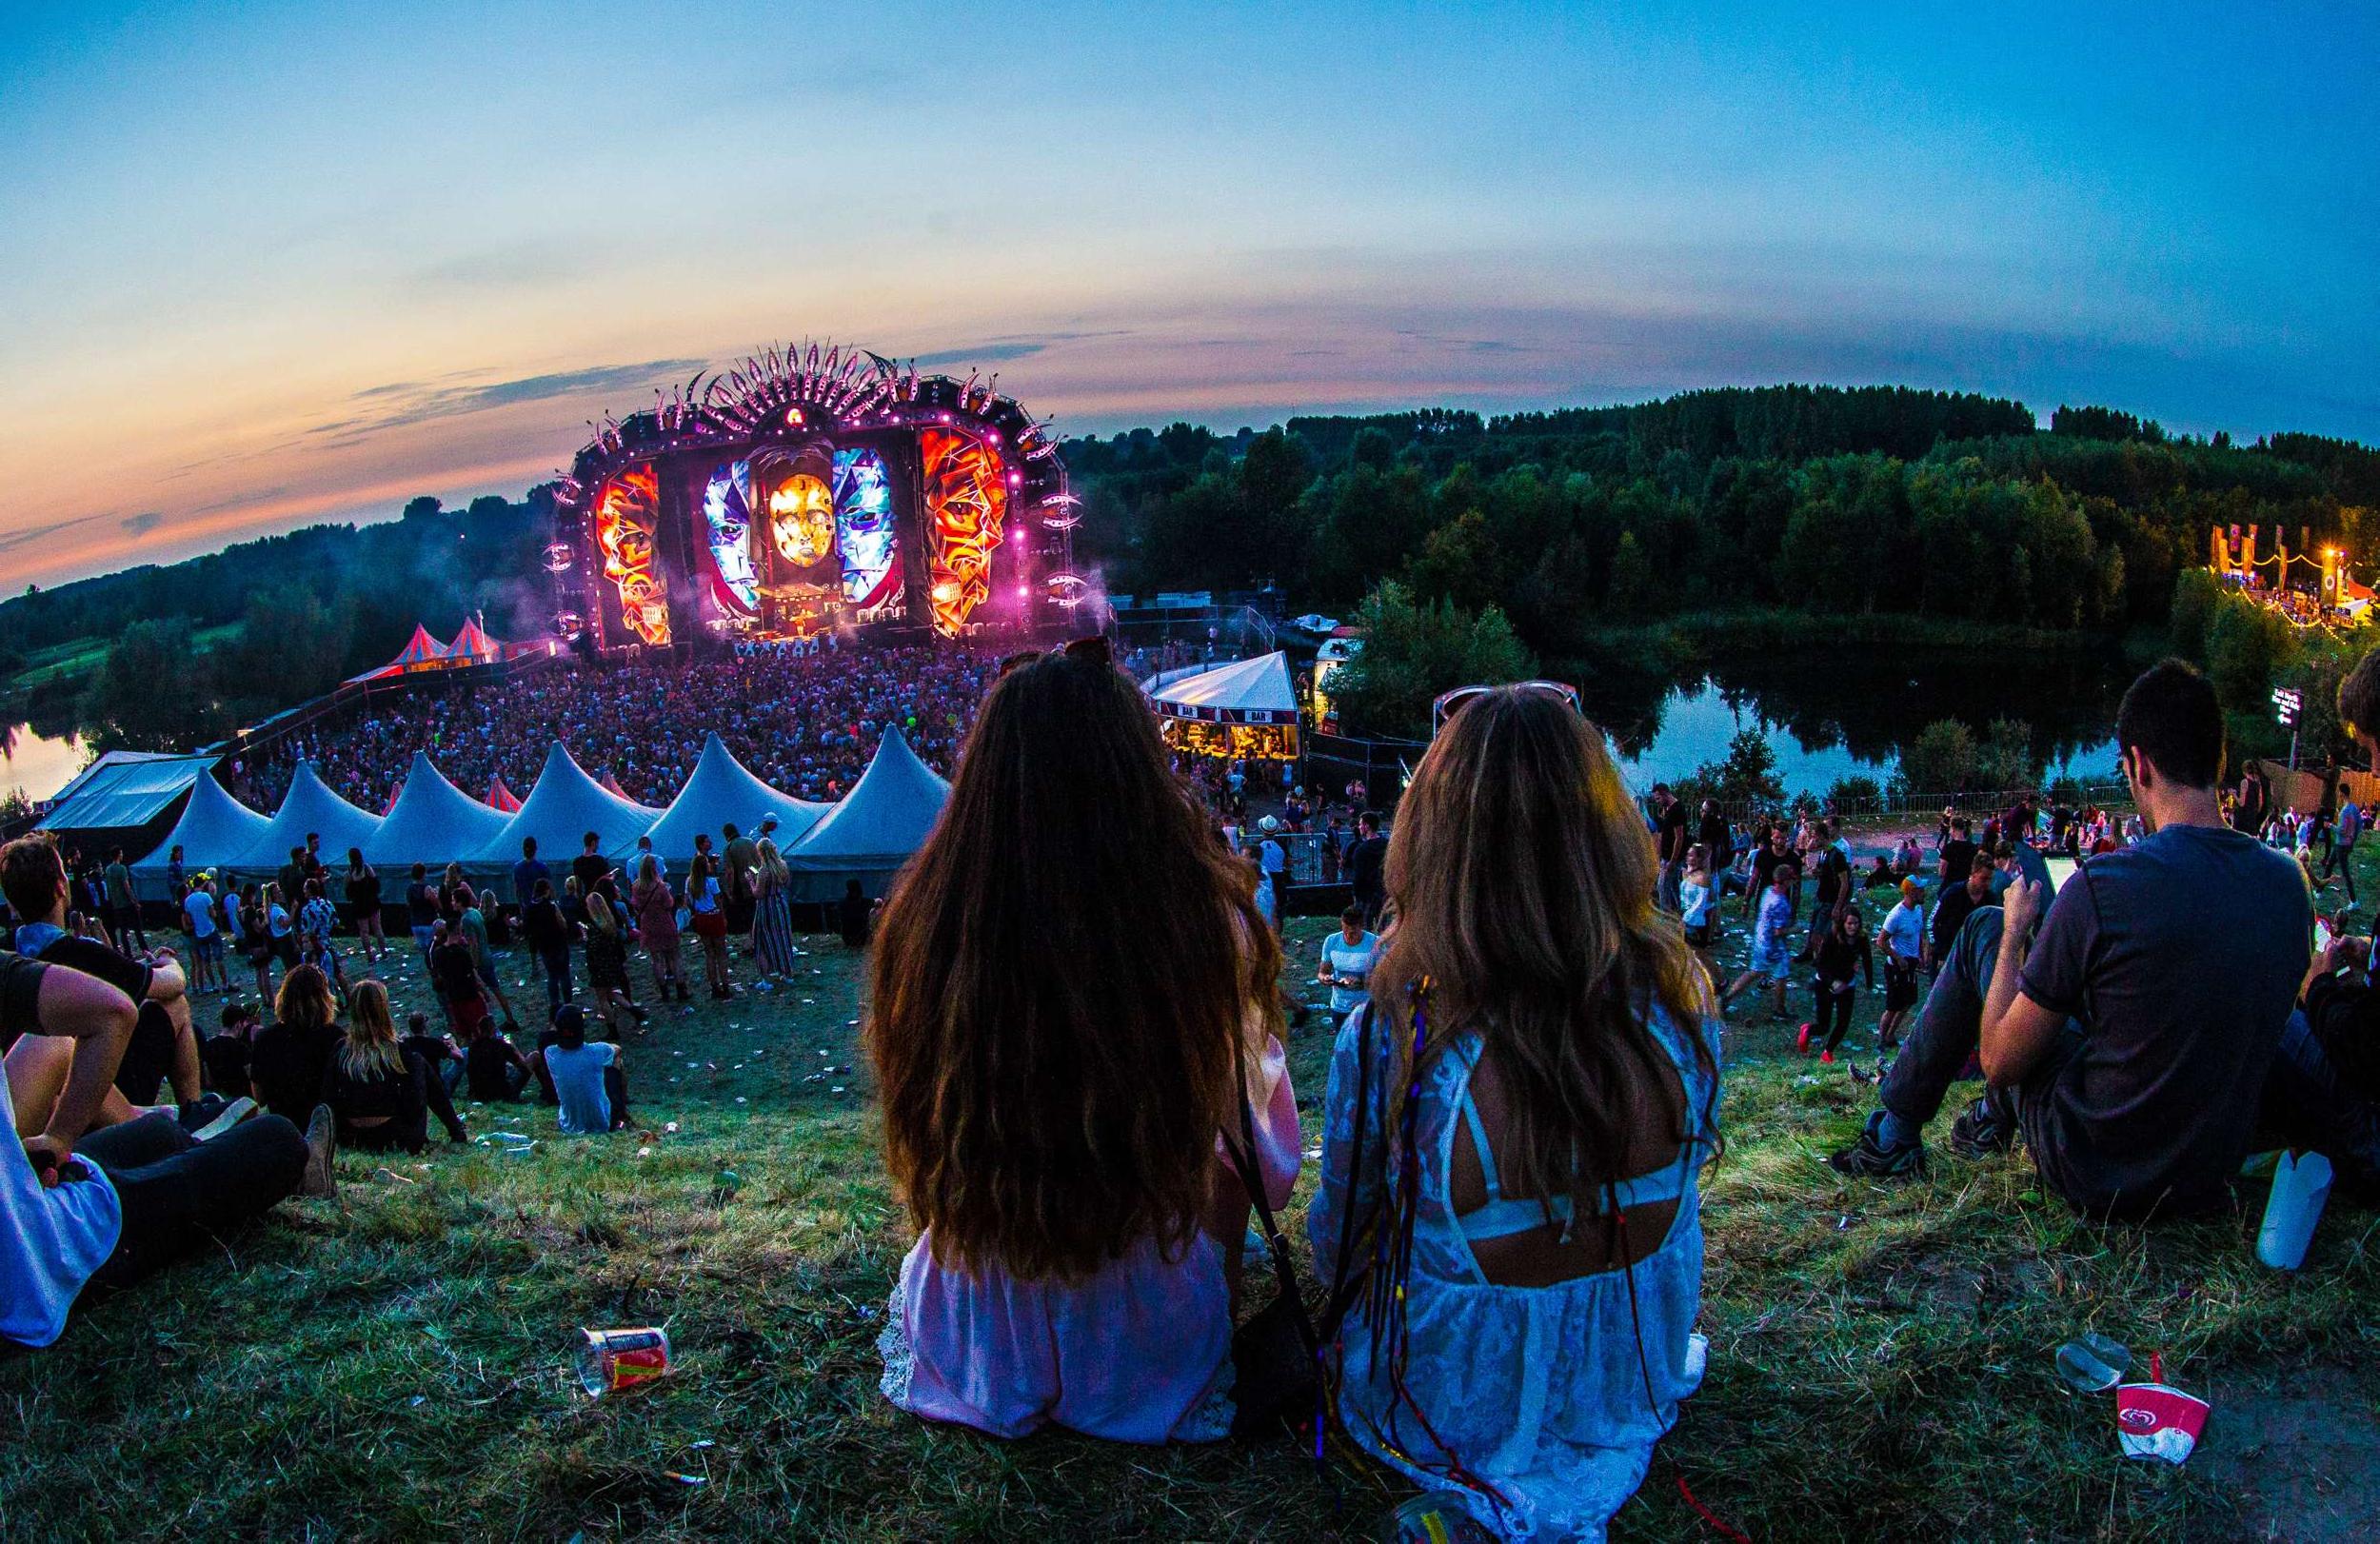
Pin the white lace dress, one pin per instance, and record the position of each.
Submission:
(1541, 1391)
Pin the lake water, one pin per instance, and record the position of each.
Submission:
(1851, 713)
(38, 765)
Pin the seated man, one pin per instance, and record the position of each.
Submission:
(225, 1055)
(2142, 1036)
(117, 1205)
(588, 1080)
(164, 1045)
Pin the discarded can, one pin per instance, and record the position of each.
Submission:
(615, 1359)
(2094, 1363)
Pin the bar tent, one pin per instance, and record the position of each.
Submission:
(214, 829)
(878, 826)
(311, 805)
(561, 809)
(721, 790)
(420, 652)
(433, 821)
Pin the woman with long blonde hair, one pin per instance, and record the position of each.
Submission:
(772, 911)
(1514, 1133)
(1072, 989)
(380, 1094)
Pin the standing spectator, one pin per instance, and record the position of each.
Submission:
(124, 913)
(420, 911)
(655, 907)
(256, 941)
(1274, 857)
(2341, 856)
(1902, 936)
(527, 874)
(198, 913)
(549, 934)
(743, 857)
(318, 921)
(1698, 903)
(1348, 957)
(854, 915)
(454, 975)
(706, 909)
(364, 900)
(608, 966)
(1772, 953)
(1958, 903)
(1958, 853)
(1669, 835)
(1365, 868)
(592, 870)
(772, 910)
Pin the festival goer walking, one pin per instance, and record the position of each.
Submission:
(1537, 1058)
(1842, 953)
(420, 911)
(655, 906)
(1771, 957)
(1698, 904)
(772, 910)
(1902, 936)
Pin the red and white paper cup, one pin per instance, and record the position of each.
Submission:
(610, 1362)
(2158, 1420)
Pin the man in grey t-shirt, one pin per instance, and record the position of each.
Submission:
(2140, 1040)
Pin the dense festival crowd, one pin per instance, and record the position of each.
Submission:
(1523, 1090)
(805, 720)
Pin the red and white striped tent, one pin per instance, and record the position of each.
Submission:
(500, 797)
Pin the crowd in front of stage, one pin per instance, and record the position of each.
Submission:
(806, 722)
(1075, 989)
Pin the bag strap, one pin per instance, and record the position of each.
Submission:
(1241, 1150)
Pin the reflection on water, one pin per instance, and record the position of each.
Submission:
(1848, 713)
(38, 765)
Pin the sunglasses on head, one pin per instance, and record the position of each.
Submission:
(1095, 648)
(1449, 703)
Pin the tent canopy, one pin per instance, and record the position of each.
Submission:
(472, 642)
(565, 805)
(123, 788)
(882, 821)
(433, 822)
(310, 806)
(721, 790)
(215, 830)
(501, 798)
(1252, 691)
(421, 651)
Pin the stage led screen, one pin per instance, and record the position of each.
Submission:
(967, 503)
(727, 527)
(627, 516)
(865, 534)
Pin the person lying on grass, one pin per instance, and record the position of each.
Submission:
(113, 1205)
(2146, 1037)
(1527, 1106)
(164, 1046)
(1071, 989)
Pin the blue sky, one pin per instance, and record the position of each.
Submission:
(274, 264)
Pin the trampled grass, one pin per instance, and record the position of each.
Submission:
(397, 1363)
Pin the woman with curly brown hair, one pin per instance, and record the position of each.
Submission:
(1514, 1132)
(1071, 990)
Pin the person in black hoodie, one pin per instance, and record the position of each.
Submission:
(1840, 955)
(380, 1093)
(287, 1061)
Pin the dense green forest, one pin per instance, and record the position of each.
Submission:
(1528, 536)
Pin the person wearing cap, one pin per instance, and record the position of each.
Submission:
(1274, 857)
(1902, 936)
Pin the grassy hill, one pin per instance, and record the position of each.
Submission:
(397, 1364)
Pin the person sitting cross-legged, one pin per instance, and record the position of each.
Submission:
(589, 1084)
(111, 1207)
(2146, 1037)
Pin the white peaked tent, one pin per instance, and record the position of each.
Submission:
(308, 806)
(565, 805)
(879, 825)
(433, 821)
(214, 829)
(721, 790)
(1252, 691)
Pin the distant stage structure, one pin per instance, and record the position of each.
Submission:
(810, 489)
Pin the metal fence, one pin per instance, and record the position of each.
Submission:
(1889, 804)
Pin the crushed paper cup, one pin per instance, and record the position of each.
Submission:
(2158, 1420)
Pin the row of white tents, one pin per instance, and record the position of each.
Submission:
(867, 835)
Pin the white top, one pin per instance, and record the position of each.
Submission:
(50, 1240)
(1347, 959)
(1905, 931)
(1693, 902)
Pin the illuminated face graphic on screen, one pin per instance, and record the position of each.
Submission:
(966, 500)
(802, 518)
(628, 512)
(864, 532)
(727, 523)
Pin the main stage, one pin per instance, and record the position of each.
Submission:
(806, 491)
